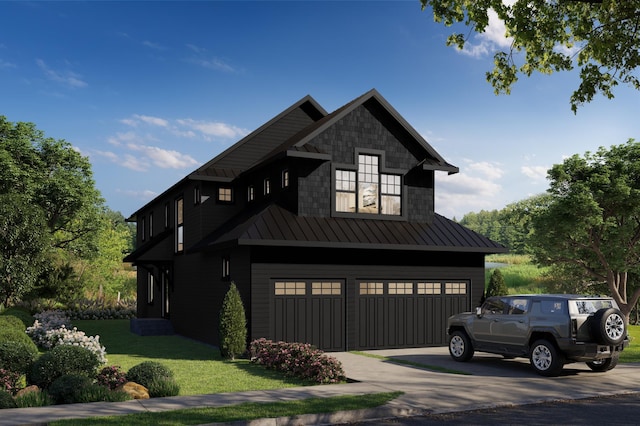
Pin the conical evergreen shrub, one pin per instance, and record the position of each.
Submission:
(497, 286)
(233, 325)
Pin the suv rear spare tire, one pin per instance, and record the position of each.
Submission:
(608, 326)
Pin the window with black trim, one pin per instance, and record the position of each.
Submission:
(166, 215)
(251, 193)
(179, 225)
(367, 190)
(285, 178)
(143, 228)
(196, 195)
(225, 194)
(226, 266)
(267, 186)
(150, 287)
(151, 225)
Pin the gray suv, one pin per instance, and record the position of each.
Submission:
(549, 329)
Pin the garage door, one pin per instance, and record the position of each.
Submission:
(310, 311)
(395, 314)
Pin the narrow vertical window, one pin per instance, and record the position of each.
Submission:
(251, 193)
(368, 184)
(166, 215)
(143, 228)
(267, 187)
(150, 224)
(180, 225)
(226, 266)
(345, 191)
(285, 178)
(150, 287)
(196, 195)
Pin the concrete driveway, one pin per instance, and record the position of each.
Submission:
(491, 380)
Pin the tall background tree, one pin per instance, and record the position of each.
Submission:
(600, 37)
(55, 184)
(591, 227)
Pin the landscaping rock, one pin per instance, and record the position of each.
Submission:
(28, 389)
(135, 390)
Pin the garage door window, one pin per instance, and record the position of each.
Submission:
(429, 288)
(290, 288)
(371, 288)
(455, 288)
(326, 288)
(400, 288)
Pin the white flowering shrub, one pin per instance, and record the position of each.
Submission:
(75, 337)
(45, 321)
(53, 328)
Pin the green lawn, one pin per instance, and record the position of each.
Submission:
(198, 368)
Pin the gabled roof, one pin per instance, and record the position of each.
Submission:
(276, 226)
(251, 149)
(301, 140)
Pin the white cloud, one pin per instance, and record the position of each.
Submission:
(67, 78)
(5, 64)
(213, 128)
(205, 60)
(163, 158)
(536, 173)
(152, 45)
(143, 195)
(491, 171)
(154, 121)
(493, 38)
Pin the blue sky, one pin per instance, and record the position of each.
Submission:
(151, 90)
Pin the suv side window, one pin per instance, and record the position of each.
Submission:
(493, 306)
(518, 306)
(553, 307)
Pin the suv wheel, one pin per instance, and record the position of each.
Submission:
(545, 358)
(608, 326)
(603, 364)
(460, 347)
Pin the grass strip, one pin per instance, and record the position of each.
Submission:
(245, 411)
(412, 363)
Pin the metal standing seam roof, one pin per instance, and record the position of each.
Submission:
(276, 226)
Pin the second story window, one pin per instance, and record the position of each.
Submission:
(367, 190)
(251, 193)
(179, 225)
(285, 178)
(166, 215)
(225, 195)
(150, 224)
(143, 228)
(196, 195)
(226, 267)
(267, 186)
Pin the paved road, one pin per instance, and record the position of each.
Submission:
(612, 410)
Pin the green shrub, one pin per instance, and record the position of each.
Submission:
(9, 381)
(233, 325)
(161, 387)
(97, 393)
(61, 360)
(497, 286)
(21, 313)
(9, 321)
(11, 334)
(6, 400)
(146, 372)
(17, 356)
(67, 388)
(36, 398)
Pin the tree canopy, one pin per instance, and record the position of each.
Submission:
(53, 186)
(592, 222)
(600, 37)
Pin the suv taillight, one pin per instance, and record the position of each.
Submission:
(574, 328)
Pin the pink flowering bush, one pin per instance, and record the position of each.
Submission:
(111, 377)
(301, 360)
(9, 381)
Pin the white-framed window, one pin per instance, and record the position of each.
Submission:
(367, 190)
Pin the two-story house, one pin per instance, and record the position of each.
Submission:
(326, 224)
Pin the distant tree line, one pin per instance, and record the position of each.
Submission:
(586, 227)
